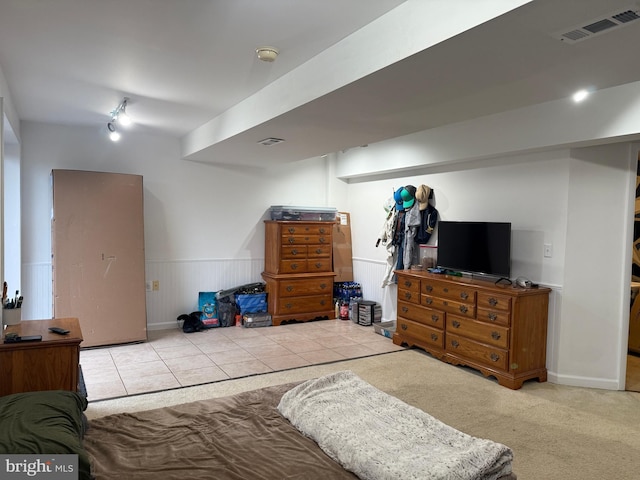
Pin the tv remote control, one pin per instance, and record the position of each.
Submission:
(58, 330)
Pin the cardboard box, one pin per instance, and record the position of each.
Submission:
(342, 254)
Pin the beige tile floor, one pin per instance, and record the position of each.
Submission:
(173, 359)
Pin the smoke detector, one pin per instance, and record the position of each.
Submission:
(267, 54)
(597, 26)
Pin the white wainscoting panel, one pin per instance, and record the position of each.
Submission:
(369, 274)
(181, 281)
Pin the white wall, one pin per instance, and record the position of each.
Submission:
(530, 191)
(597, 271)
(531, 184)
(9, 134)
(11, 192)
(203, 224)
(579, 200)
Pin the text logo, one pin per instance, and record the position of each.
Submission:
(50, 467)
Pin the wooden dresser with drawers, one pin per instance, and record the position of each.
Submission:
(299, 270)
(500, 330)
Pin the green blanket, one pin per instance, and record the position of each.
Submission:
(50, 422)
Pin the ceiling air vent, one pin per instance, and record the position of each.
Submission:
(267, 142)
(598, 26)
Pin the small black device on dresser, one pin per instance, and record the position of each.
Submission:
(58, 330)
(15, 338)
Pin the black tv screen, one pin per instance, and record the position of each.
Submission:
(475, 247)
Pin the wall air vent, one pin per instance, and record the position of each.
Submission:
(267, 142)
(598, 26)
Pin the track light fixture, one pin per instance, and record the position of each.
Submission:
(114, 135)
(118, 117)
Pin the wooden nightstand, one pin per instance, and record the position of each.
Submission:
(50, 364)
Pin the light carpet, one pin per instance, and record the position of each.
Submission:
(555, 431)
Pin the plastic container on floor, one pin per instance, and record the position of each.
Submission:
(308, 214)
(386, 329)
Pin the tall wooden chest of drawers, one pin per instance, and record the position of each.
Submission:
(499, 330)
(299, 270)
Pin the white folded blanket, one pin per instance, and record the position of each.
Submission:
(377, 436)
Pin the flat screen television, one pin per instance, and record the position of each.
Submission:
(475, 247)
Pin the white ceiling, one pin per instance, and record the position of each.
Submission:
(184, 63)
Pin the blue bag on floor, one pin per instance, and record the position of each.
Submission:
(251, 303)
(207, 305)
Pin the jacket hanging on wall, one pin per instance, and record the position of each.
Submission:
(386, 239)
(411, 227)
(428, 215)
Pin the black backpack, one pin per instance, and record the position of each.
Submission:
(191, 322)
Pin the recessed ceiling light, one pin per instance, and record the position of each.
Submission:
(580, 95)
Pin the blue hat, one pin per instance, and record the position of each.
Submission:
(397, 196)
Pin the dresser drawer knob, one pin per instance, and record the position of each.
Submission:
(294, 266)
(493, 302)
(455, 344)
(294, 251)
(407, 283)
(289, 288)
(464, 295)
(322, 230)
(318, 251)
(291, 240)
(464, 309)
(456, 324)
(318, 265)
(446, 290)
(493, 317)
(435, 318)
(322, 302)
(494, 357)
(445, 303)
(407, 295)
(429, 301)
(428, 288)
(323, 286)
(403, 326)
(288, 305)
(405, 309)
(434, 337)
(323, 240)
(292, 229)
(495, 335)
